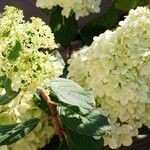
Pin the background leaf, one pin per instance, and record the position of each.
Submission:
(144, 2)
(64, 29)
(14, 132)
(144, 130)
(126, 5)
(100, 24)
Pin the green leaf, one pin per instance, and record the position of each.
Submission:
(92, 123)
(71, 93)
(15, 52)
(64, 145)
(14, 132)
(77, 141)
(6, 33)
(2, 81)
(144, 130)
(108, 20)
(126, 5)
(41, 103)
(144, 2)
(64, 29)
(10, 94)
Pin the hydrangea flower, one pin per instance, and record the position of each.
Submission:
(27, 69)
(116, 68)
(80, 7)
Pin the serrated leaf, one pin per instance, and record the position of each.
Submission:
(14, 132)
(15, 52)
(92, 123)
(41, 103)
(77, 141)
(64, 29)
(126, 5)
(71, 93)
(10, 94)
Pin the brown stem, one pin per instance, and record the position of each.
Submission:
(54, 115)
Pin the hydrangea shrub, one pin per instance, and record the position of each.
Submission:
(24, 68)
(34, 103)
(80, 7)
(116, 68)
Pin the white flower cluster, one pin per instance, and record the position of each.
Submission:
(116, 68)
(80, 7)
(27, 68)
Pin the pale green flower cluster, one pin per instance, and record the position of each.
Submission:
(80, 7)
(116, 68)
(22, 40)
(23, 108)
(28, 68)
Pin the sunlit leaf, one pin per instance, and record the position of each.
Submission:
(71, 93)
(14, 132)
